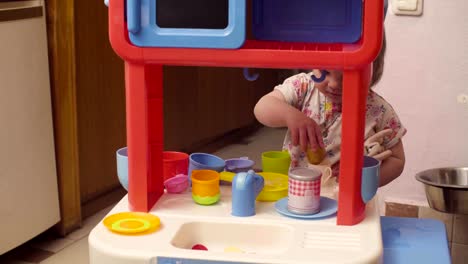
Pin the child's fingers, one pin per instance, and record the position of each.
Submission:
(318, 134)
(379, 136)
(294, 136)
(384, 155)
(312, 139)
(303, 139)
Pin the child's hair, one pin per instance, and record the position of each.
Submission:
(378, 64)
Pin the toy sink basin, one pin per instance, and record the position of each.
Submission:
(266, 237)
(446, 189)
(223, 237)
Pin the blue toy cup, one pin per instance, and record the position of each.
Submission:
(243, 164)
(122, 167)
(370, 178)
(204, 161)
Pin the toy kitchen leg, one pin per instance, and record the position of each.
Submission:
(351, 207)
(144, 99)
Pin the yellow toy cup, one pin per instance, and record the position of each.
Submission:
(205, 187)
(276, 161)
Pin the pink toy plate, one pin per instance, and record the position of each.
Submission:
(177, 184)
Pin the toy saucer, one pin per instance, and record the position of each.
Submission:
(130, 223)
(328, 207)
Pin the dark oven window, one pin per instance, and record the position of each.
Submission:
(202, 14)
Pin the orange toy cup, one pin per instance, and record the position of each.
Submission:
(205, 186)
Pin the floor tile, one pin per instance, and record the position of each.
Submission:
(76, 253)
(401, 210)
(459, 253)
(460, 229)
(28, 254)
(88, 224)
(447, 219)
(53, 245)
(14, 262)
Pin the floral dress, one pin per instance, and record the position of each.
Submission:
(299, 92)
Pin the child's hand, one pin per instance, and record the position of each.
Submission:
(373, 145)
(304, 131)
(383, 155)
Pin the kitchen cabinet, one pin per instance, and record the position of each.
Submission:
(29, 202)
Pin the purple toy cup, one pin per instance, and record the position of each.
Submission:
(237, 165)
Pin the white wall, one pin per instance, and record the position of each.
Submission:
(426, 69)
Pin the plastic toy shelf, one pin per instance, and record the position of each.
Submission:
(261, 54)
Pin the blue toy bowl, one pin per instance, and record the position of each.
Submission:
(122, 167)
(370, 178)
(204, 161)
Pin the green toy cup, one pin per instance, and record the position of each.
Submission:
(276, 161)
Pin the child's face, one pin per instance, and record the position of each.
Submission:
(332, 86)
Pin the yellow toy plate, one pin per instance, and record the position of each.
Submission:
(226, 176)
(130, 223)
(276, 185)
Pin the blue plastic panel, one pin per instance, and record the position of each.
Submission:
(318, 21)
(145, 32)
(413, 240)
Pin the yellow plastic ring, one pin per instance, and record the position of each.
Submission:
(117, 225)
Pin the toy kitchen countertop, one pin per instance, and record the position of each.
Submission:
(266, 237)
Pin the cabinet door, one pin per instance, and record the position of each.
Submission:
(100, 99)
(29, 201)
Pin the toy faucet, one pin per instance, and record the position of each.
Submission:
(245, 188)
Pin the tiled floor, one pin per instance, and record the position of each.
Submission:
(73, 249)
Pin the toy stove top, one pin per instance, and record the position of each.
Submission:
(267, 237)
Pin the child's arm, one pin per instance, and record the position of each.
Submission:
(272, 110)
(392, 167)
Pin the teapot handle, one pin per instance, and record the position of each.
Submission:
(259, 182)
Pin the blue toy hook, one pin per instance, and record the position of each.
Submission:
(322, 77)
(250, 77)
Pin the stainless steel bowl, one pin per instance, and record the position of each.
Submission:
(446, 189)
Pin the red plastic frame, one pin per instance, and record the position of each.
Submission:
(143, 75)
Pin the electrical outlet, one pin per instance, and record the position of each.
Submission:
(407, 7)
